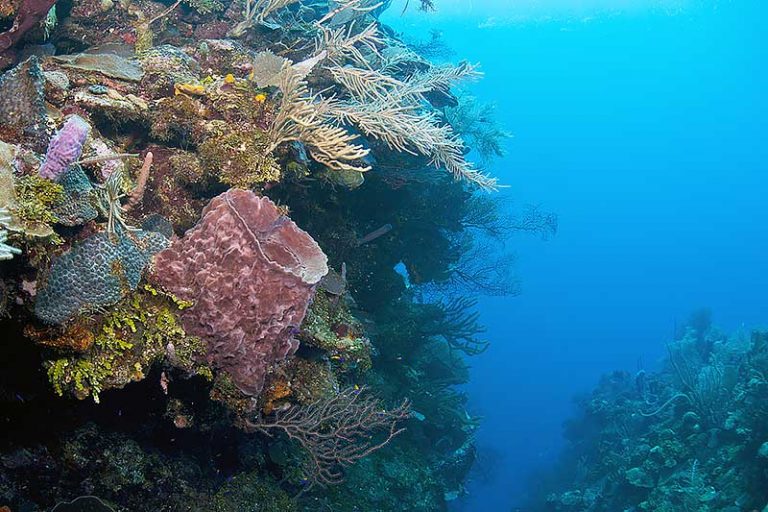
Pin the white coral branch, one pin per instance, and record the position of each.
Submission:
(6, 251)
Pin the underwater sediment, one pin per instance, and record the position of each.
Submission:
(206, 207)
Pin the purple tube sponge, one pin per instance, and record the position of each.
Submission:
(65, 148)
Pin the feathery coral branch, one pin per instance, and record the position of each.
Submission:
(344, 43)
(337, 431)
(300, 118)
(365, 84)
(404, 128)
(257, 12)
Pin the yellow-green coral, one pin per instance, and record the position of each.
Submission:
(84, 376)
(240, 159)
(330, 326)
(205, 6)
(129, 339)
(35, 197)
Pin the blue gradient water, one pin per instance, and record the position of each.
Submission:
(644, 127)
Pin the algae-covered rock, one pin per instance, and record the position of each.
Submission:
(114, 106)
(253, 493)
(164, 67)
(639, 478)
(222, 56)
(106, 64)
(23, 116)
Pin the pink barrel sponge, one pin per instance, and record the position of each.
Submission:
(65, 147)
(251, 273)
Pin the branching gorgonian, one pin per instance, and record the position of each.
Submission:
(344, 43)
(300, 118)
(394, 113)
(256, 12)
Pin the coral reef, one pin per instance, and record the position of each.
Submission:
(171, 243)
(688, 437)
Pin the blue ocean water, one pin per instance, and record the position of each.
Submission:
(643, 126)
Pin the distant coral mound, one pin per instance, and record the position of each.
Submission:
(251, 273)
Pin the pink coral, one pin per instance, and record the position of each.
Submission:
(251, 273)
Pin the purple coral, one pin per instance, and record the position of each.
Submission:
(250, 273)
(65, 147)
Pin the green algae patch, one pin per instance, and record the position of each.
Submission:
(128, 340)
(254, 493)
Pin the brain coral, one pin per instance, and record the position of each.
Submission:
(251, 273)
(95, 273)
